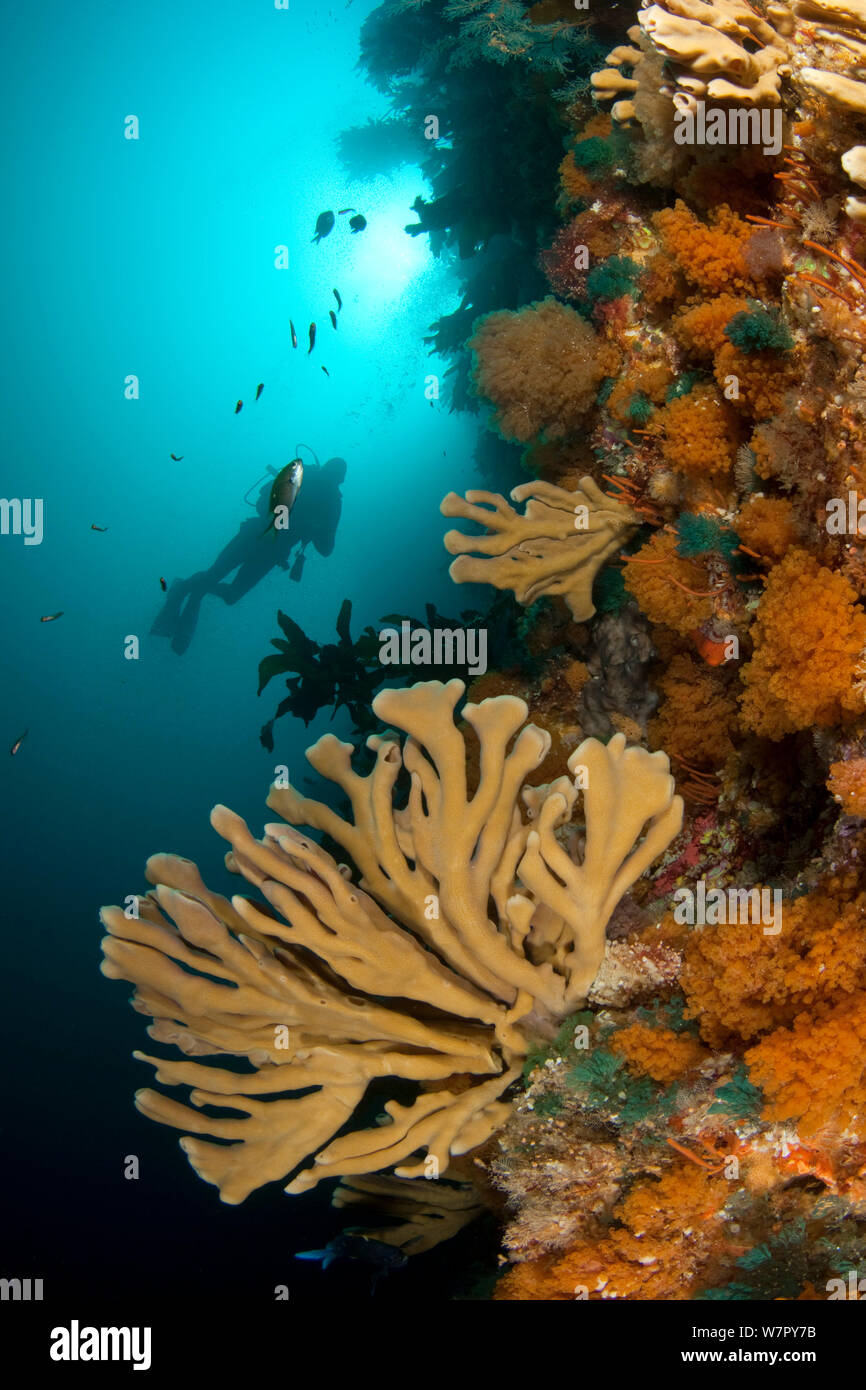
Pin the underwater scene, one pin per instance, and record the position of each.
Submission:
(433, 540)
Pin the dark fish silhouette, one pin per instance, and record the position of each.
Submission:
(259, 389)
(325, 370)
(374, 1255)
(333, 317)
(163, 585)
(239, 407)
(294, 334)
(324, 225)
(338, 299)
(98, 528)
(284, 490)
(51, 617)
(357, 223)
(345, 210)
(178, 458)
(312, 338)
(17, 744)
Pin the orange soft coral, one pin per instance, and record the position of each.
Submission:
(669, 1230)
(711, 255)
(658, 1052)
(700, 328)
(696, 714)
(809, 636)
(699, 433)
(815, 1072)
(541, 367)
(739, 982)
(763, 379)
(847, 783)
(659, 579)
(766, 525)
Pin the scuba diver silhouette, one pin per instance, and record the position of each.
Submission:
(254, 551)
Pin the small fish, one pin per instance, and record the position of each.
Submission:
(357, 223)
(239, 407)
(259, 389)
(178, 458)
(17, 744)
(325, 370)
(312, 338)
(294, 334)
(324, 225)
(378, 1257)
(333, 317)
(343, 211)
(338, 299)
(51, 617)
(163, 585)
(98, 528)
(284, 490)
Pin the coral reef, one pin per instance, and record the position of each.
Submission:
(633, 1022)
(332, 984)
(695, 1131)
(541, 368)
(804, 668)
(557, 546)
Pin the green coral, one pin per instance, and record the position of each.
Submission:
(604, 391)
(606, 1084)
(609, 593)
(738, 1097)
(758, 329)
(778, 1268)
(612, 279)
(669, 1014)
(594, 155)
(549, 1106)
(640, 408)
(683, 385)
(700, 534)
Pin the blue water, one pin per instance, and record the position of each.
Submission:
(155, 258)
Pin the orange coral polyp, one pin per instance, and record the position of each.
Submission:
(649, 575)
(815, 1072)
(739, 982)
(710, 254)
(766, 524)
(699, 433)
(700, 328)
(668, 1233)
(659, 1053)
(847, 783)
(809, 636)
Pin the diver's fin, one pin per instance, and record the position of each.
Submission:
(311, 1255)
